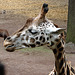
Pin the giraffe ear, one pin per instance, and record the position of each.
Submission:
(58, 30)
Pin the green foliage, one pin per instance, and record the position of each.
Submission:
(41, 49)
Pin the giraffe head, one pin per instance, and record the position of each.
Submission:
(36, 32)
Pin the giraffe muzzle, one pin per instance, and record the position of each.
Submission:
(9, 46)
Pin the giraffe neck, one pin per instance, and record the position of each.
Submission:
(60, 60)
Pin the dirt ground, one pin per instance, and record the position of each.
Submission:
(27, 63)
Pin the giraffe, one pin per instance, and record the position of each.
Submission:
(40, 31)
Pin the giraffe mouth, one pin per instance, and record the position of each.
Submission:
(10, 48)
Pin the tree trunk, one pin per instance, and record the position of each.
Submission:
(71, 22)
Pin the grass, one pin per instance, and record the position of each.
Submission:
(37, 49)
(31, 8)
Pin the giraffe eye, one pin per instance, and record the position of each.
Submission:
(32, 31)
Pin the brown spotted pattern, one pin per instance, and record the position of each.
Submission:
(61, 65)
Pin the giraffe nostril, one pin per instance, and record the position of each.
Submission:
(8, 38)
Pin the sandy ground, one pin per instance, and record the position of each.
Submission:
(27, 63)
